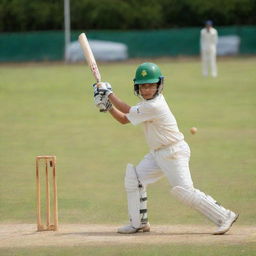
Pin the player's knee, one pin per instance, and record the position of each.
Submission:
(187, 195)
(131, 180)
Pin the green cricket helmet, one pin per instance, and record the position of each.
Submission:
(148, 73)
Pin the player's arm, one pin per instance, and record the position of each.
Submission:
(120, 105)
(106, 101)
(216, 38)
(118, 115)
(202, 41)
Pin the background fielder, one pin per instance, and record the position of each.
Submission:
(169, 154)
(208, 46)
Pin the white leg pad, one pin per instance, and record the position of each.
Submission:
(203, 203)
(137, 198)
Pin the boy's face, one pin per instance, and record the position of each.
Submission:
(148, 91)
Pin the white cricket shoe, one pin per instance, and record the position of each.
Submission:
(129, 229)
(227, 224)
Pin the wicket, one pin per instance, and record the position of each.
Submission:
(50, 163)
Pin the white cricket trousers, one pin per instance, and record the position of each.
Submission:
(173, 162)
(209, 62)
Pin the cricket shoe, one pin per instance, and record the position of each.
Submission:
(129, 229)
(225, 227)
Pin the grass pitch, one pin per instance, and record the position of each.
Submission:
(48, 109)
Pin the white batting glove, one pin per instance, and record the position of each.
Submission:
(108, 106)
(99, 102)
(101, 92)
(103, 88)
(102, 102)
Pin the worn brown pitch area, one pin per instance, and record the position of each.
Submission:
(25, 235)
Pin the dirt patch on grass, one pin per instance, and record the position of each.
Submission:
(25, 235)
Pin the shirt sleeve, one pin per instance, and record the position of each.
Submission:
(216, 37)
(202, 39)
(141, 113)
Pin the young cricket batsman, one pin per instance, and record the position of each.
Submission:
(168, 156)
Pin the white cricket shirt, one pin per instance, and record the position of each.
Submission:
(208, 39)
(160, 126)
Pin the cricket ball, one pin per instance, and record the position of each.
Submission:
(193, 130)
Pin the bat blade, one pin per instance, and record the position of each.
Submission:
(88, 54)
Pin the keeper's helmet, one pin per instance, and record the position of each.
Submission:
(148, 73)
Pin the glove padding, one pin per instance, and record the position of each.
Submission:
(103, 88)
(102, 102)
(101, 92)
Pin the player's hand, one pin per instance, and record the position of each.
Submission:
(103, 88)
(108, 106)
(98, 100)
(102, 102)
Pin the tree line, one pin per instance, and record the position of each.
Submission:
(34, 15)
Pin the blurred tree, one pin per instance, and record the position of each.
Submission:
(28, 15)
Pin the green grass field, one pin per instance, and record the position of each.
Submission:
(49, 109)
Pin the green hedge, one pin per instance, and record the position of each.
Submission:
(31, 15)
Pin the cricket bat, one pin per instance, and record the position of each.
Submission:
(88, 54)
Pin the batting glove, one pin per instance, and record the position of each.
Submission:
(102, 102)
(103, 88)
